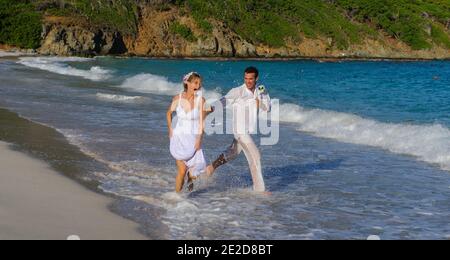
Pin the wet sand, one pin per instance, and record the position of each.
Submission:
(38, 203)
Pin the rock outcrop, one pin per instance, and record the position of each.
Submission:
(75, 40)
(67, 37)
(155, 39)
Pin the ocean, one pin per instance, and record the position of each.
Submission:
(364, 146)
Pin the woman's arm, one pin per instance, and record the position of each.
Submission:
(204, 114)
(169, 114)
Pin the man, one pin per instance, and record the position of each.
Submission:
(245, 102)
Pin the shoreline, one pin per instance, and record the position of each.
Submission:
(46, 153)
(18, 53)
(47, 144)
(38, 203)
(300, 58)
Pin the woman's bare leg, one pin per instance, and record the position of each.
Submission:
(180, 176)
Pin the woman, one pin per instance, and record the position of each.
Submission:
(186, 137)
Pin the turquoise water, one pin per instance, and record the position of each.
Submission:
(364, 146)
(404, 92)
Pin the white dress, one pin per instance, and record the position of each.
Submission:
(182, 143)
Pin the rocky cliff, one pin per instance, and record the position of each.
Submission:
(66, 37)
(154, 37)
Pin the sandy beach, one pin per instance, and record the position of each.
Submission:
(38, 203)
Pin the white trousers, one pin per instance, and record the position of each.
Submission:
(245, 143)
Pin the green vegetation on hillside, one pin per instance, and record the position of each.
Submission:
(418, 23)
(120, 15)
(20, 24)
(183, 31)
(273, 22)
(21, 20)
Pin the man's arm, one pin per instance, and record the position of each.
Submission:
(230, 98)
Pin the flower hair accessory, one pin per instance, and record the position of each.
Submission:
(187, 76)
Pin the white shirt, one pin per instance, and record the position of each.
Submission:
(245, 109)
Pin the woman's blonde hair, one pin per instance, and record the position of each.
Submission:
(189, 77)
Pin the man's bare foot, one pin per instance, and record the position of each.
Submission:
(209, 170)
